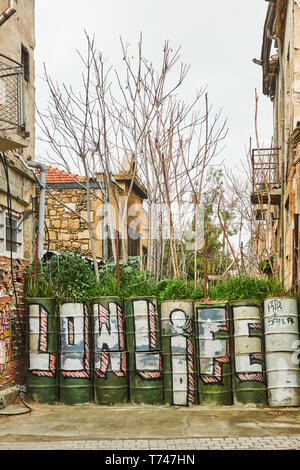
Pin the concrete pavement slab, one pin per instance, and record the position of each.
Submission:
(53, 423)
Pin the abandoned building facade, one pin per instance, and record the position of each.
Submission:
(275, 170)
(17, 184)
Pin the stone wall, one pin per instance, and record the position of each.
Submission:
(66, 230)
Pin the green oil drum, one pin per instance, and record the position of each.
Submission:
(214, 379)
(178, 345)
(75, 381)
(41, 350)
(248, 365)
(109, 352)
(144, 350)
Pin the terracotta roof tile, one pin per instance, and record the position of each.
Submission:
(54, 175)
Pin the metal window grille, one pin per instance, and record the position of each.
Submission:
(11, 94)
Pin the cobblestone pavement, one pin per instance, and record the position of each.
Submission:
(240, 443)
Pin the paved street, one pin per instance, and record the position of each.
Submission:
(132, 427)
(243, 443)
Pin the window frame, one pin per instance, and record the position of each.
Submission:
(19, 253)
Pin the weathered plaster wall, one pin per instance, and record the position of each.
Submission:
(18, 30)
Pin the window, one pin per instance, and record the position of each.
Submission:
(25, 62)
(145, 256)
(133, 242)
(11, 235)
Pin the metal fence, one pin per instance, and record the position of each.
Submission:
(11, 94)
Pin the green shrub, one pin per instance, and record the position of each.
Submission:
(69, 277)
(246, 288)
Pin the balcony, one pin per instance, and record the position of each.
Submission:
(11, 104)
(265, 176)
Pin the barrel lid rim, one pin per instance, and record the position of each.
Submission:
(286, 296)
(40, 298)
(105, 297)
(140, 297)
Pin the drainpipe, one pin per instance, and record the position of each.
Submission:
(282, 155)
(41, 222)
(6, 14)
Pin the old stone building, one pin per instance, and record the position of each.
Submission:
(17, 184)
(66, 216)
(276, 170)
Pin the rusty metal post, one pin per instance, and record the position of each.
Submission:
(118, 261)
(205, 267)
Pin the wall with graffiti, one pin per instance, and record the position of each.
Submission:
(183, 353)
(5, 339)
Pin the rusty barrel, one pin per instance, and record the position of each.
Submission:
(213, 353)
(144, 350)
(248, 367)
(41, 350)
(281, 326)
(75, 379)
(178, 345)
(109, 352)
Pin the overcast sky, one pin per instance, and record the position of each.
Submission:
(219, 39)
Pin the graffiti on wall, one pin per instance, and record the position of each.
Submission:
(109, 340)
(214, 350)
(41, 362)
(5, 338)
(147, 359)
(248, 357)
(182, 359)
(74, 341)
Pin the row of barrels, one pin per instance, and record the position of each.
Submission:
(183, 353)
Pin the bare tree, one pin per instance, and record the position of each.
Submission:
(135, 111)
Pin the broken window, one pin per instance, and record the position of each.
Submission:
(25, 62)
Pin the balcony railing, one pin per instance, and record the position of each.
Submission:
(265, 175)
(265, 167)
(11, 94)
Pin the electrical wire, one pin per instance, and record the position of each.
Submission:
(28, 410)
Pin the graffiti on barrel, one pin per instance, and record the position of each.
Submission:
(109, 340)
(147, 359)
(182, 359)
(134, 359)
(5, 338)
(41, 362)
(249, 360)
(214, 350)
(74, 336)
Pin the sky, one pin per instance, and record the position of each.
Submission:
(218, 40)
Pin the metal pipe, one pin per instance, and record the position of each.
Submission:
(6, 14)
(282, 155)
(41, 222)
